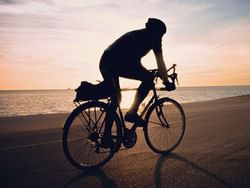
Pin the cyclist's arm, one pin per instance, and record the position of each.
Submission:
(161, 66)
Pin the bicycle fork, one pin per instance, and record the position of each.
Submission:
(162, 118)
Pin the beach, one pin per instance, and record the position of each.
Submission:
(214, 152)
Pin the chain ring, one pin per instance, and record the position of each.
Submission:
(129, 138)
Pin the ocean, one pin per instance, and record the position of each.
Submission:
(32, 102)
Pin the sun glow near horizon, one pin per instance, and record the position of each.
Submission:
(56, 44)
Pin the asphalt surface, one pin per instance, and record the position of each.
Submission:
(214, 153)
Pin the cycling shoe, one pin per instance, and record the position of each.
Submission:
(135, 118)
(107, 143)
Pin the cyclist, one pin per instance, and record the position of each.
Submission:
(123, 59)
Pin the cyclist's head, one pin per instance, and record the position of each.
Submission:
(156, 26)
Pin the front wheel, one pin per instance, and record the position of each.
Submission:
(166, 125)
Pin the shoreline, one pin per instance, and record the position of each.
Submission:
(63, 113)
(40, 102)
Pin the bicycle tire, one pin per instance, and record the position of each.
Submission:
(82, 133)
(165, 119)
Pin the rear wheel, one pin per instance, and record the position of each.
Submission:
(166, 125)
(83, 135)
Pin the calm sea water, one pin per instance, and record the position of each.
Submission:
(30, 102)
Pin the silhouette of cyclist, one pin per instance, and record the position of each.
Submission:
(123, 59)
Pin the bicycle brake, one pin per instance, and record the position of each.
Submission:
(174, 78)
(177, 79)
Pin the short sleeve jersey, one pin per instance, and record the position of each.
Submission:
(134, 45)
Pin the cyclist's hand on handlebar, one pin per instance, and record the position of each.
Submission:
(169, 86)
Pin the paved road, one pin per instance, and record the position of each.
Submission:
(214, 153)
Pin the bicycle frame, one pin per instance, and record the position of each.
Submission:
(153, 99)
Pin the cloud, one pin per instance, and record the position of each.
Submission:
(13, 2)
(59, 34)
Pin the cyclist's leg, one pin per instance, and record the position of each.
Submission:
(138, 72)
(110, 76)
(142, 91)
(112, 83)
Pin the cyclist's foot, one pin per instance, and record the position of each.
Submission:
(107, 143)
(135, 118)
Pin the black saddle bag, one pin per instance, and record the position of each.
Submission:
(88, 91)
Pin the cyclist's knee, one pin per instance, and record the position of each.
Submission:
(146, 85)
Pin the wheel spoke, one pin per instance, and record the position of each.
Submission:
(82, 136)
(154, 123)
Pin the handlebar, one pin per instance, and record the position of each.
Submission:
(172, 76)
(172, 67)
(157, 70)
(169, 86)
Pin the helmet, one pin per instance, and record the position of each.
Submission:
(155, 25)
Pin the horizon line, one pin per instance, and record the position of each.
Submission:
(124, 88)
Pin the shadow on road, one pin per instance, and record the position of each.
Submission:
(164, 158)
(99, 177)
(95, 176)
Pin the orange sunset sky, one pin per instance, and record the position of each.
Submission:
(55, 44)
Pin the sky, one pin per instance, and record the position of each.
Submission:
(55, 44)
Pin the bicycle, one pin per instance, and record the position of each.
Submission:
(84, 128)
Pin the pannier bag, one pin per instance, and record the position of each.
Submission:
(88, 91)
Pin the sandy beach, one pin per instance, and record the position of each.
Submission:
(214, 152)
